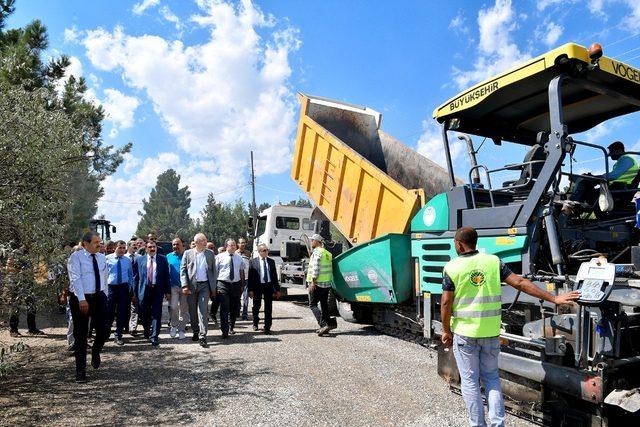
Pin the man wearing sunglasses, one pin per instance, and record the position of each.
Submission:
(263, 283)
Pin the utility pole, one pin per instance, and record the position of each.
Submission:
(254, 210)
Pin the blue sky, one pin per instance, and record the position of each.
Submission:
(196, 85)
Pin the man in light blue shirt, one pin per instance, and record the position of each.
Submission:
(178, 306)
(120, 280)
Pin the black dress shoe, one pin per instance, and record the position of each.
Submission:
(203, 343)
(267, 332)
(225, 336)
(255, 327)
(194, 337)
(119, 341)
(15, 334)
(245, 318)
(95, 360)
(35, 332)
(155, 343)
(81, 377)
(232, 332)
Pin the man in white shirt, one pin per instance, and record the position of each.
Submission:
(230, 268)
(88, 272)
(198, 279)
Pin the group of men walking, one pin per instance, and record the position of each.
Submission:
(130, 284)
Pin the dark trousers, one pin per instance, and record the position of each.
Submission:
(320, 295)
(258, 295)
(118, 307)
(14, 318)
(215, 305)
(98, 314)
(229, 301)
(151, 312)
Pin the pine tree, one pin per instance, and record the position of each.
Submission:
(221, 221)
(167, 210)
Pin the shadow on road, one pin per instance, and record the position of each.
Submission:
(146, 387)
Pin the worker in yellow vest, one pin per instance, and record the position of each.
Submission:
(319, 278)
(471, 309)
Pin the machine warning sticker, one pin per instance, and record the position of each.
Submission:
(505, 241)
(373, 276)
(473, 96)
(363, 298)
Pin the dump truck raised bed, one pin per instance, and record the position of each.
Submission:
(577, 366)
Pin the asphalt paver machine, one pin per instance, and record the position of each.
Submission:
(575, 366)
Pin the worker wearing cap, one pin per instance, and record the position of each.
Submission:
(471, 307)
(625, 168)
(621, 175)
(319, 278)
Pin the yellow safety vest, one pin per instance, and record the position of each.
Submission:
(326, 266)
(629, 175)
(477, 295)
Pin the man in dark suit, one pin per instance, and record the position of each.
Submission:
(263, 283)
(152, 284)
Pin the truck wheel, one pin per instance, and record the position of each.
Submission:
(333, 307)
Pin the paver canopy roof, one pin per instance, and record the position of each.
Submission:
(514, 106)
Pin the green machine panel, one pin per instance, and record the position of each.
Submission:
(434, 253)
(379, 271)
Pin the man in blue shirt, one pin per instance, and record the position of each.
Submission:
(120, 282)
(178, 307)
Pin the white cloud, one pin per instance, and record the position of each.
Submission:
(219, 99)
(169, 16)
(458, 24)
(71, 35)
(631, 19)
(596, 6)
(497, 49)
(430, 144)
(119, 109)
(549, 32)
(543, 4)
(139, 8)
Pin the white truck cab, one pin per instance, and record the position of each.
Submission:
(279, 224)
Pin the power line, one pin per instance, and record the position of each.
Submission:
(266, 187)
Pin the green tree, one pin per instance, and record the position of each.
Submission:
(167, 210)
(301, 203)
(262, 206)
(52, 159)
(223, 220)
(21, 65)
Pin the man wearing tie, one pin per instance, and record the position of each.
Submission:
(198, 278)
(132, 313)
(87, 270)
(152, 285)
(263, 283)
(120, 282)
(230, 269)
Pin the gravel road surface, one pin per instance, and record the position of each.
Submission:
(354, 377)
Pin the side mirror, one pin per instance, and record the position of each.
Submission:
(250, 223)
(113, 228)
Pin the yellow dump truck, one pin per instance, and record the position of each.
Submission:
(364, 181)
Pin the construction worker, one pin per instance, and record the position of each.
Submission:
(620, 177)
(624, 169)
(319, 278)
(471, 308)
